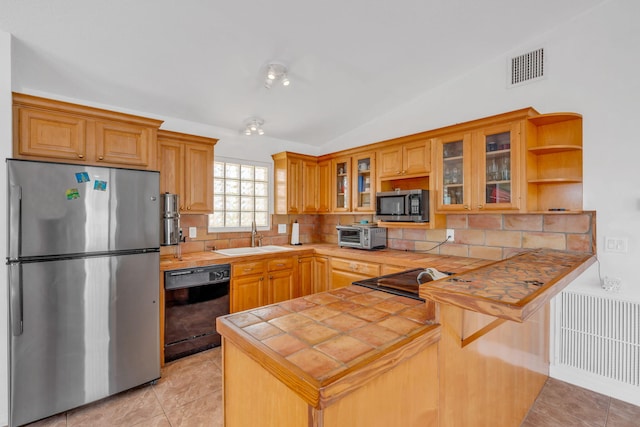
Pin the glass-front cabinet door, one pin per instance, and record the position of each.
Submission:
(498, 169)
(341, 189)
(453, 154)
(363, 186)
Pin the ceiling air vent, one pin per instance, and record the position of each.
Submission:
(527, 67)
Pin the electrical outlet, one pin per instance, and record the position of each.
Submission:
(282, 228)
(616, 244)
(451, 235)
(193, 232)
(611, 284)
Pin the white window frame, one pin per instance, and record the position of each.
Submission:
(270, 188)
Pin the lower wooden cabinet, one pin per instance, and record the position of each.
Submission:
(321, 278)
(281, 279)
(247, 285)
(258, 283)
(345, 271)
(305, 275)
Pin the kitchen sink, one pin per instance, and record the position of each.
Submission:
(252, 251)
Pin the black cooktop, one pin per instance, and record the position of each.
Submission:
(404, 283)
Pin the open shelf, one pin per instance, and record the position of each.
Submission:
(555, 181)
(551, 149)
(551, 118)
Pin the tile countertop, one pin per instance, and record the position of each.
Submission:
(513, 288)
(325, 345)
(406, 259)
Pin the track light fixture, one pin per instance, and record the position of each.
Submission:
(276, 72)
(253, 126)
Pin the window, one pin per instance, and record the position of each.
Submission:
(240, 195)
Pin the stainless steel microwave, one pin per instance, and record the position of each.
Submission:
(362, 236)
(403, 205)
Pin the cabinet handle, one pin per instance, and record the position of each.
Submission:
(271, 277)
(280, 265)
(262, 279)
(188, 208)
(466, 207)
(81, 156)
(100, 158)
(404, 172)
(480, 206)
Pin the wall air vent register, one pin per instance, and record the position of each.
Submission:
(526, 68)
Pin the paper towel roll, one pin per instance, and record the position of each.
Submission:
(295, 233)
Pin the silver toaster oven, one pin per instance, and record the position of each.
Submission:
(362, 236)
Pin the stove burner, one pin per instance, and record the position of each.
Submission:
(405, 283)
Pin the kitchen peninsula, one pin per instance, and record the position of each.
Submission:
(474, 353)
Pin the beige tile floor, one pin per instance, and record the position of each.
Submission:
(189, 394)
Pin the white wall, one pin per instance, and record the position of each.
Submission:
(5, 151)
(592, 69)
(231, 142)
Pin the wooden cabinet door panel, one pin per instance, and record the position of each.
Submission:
(247, 292)
(321, 277)
(390, 162)
(280, 286)
(121, 143)
(309, 186)
(416, 157)
(46, 134)
(198, 178)
(340, 279)
(171, 163)
(324, 183)
(305, 276)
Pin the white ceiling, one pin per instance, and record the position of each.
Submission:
(203, 60)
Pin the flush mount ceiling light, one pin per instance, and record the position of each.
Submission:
(253, 126)
(276, 72)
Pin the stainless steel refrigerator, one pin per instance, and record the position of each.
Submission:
(83, 285)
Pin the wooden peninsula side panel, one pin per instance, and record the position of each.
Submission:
(494, 380)
(407, 395)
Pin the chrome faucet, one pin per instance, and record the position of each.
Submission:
(254, 233)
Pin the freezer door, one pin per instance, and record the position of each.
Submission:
(59, 209)
(90, 330)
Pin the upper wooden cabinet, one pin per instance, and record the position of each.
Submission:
(296, 183)
(50, 130)
(519, 161)
(354, 182)
(479, 170)
(363, 188)
(405, 159)
(341, 180)
(186, 169)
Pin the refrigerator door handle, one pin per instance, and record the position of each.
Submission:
(15, 298)
(15, 221)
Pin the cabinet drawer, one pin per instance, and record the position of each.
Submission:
(244, 268)
(277, 264)
(360, 267)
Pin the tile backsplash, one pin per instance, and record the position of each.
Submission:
(487, 236)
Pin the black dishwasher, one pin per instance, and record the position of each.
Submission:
(194, 298)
